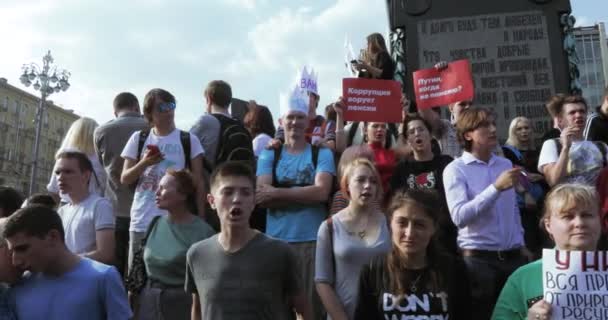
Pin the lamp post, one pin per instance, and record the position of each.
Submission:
(47, 79)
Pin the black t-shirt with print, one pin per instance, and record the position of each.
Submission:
(442, 292)
(411, 174)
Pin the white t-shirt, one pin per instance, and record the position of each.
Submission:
(144, 207)
(95, 186)
(584, 161)
(82, 220)
(259, 143)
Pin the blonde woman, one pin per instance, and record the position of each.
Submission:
(572, 220)
(531, 189)
(80, 138)
(350, 239)
(375, 61)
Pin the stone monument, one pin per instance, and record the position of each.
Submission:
(516, 49)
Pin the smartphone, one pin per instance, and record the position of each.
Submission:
(524, 181)
(154, 150)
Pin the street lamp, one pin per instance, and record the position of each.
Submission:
(47, 80)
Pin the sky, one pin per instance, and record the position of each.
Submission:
(258, 46)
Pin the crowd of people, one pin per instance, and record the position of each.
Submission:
(318, 218)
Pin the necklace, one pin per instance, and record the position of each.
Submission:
(361, 234)
(414, 284)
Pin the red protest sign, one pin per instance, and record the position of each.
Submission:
(372, 100)
(439, 88)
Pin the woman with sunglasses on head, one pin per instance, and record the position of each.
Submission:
(350, 239)
(572, 220)
(164, 253)
(150, 153)
(415, 279)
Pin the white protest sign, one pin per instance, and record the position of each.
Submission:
(576, 284)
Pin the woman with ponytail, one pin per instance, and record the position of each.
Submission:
(415, 278)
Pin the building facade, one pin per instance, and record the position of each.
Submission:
(592, 50)
(17, 135)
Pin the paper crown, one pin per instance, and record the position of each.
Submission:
(296, 100)
(308, 80)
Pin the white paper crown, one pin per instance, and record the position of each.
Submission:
(308, 80)
(296, 100)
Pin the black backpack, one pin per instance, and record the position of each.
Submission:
(234, 142)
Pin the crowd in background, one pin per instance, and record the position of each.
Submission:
(318, 218)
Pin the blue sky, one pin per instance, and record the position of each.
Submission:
(135, 45)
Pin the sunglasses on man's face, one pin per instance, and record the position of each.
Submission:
(166, 106)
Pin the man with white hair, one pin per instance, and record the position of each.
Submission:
(294, 182)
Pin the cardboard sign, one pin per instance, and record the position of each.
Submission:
(372, 100)
(575, 283)
(435, 88)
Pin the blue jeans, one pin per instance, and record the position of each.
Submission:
(487, 276)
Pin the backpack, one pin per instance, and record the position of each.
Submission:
(234, 142)
(598, 144)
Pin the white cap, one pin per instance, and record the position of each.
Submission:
(308, 81)
(295, 101)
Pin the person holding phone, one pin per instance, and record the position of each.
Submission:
(375, 61)
(569, 158)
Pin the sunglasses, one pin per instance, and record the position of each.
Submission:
(166, 106)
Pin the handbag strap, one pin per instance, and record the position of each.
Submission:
(330, 232)
(149, 231)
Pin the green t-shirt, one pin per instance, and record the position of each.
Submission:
(523, 289)
(166, 248)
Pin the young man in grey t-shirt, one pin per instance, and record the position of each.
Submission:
(240, 272)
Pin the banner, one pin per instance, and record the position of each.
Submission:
(372, 100)
(434, 88)
(576, 284)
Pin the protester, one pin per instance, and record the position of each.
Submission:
(570, 158)
(596, 128)
(350, 239)
(88, 219)
(572, 220)
(241, 273)
(551, 107)
(167, 241)
(445, 130)
(222, 137)
(294, 182)
(80, 137)
(530, 189)
(482, 204)
(110, 139)
(375, 61)
(425, 171)
(414, 270)
(61, 285)
(318, 132)
(258, 121)
(340, 199)
(10, 201)
(9, 275)
(147, 158)
(42, 199)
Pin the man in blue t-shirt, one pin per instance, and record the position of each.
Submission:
(61, 285)
(297, 191)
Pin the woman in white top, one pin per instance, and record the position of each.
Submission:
(258, 122)
(80, 138)
(350, 239)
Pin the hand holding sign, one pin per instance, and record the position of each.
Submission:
(442, 85)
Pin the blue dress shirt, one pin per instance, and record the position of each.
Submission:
(487, 219)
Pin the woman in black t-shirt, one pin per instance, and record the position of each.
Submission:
(414, 278)
(375, 62)
(425, 171)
